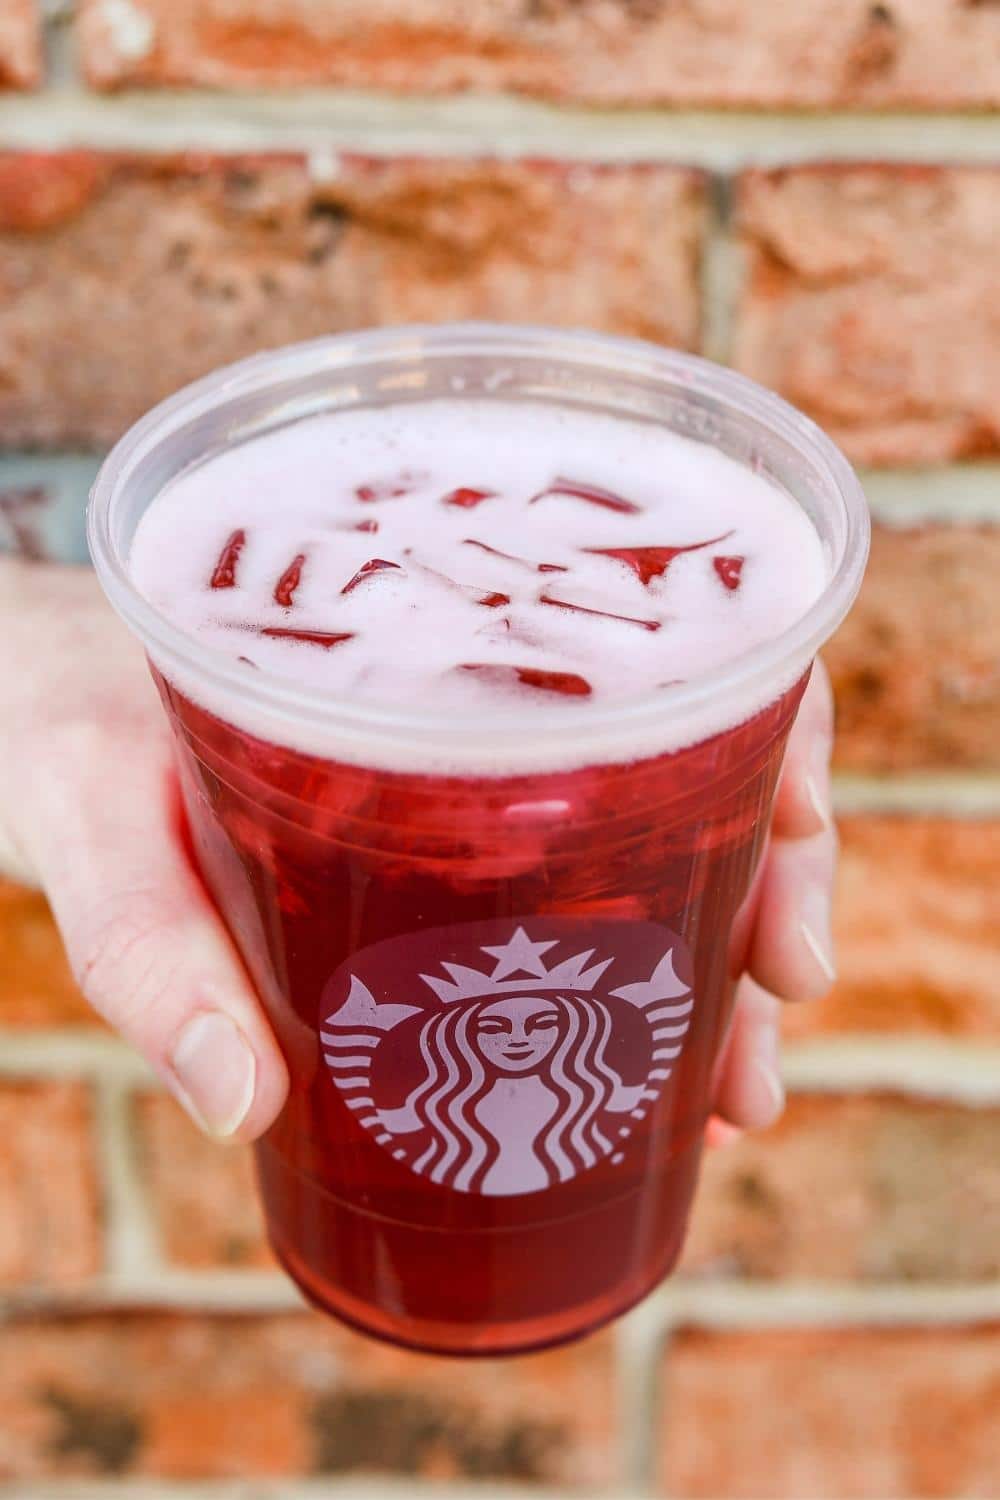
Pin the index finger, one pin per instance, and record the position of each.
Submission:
(803, 804)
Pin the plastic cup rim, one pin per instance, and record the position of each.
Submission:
(775, 661)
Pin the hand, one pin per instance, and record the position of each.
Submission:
(90, 809)
(791, 947)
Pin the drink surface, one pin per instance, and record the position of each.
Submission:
(479, 559)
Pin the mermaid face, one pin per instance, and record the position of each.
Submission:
(516, 1035)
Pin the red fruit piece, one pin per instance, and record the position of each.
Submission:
(369, 526)
(566, 684)
(651, 562)
(224, 576)
(601, 614)
(468, 499)
(289, 581)
(386, 489)
(729, 570)
(372, 566)
(492, 599)
(324, 638)
(592, 493)
(522, 562)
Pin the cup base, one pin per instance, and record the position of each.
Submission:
(511, 1334)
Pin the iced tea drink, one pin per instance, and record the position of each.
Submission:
(480, 695)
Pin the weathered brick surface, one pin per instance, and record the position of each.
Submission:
(229, 255)
(20, 45)
(933, 53)
(22, 508)
(36, 987)
(916, 920)
(871, 302)
(832, 1415)
(855, 1189)
(916, 665)
(204, 1200)
(190, 1397)
(50, 1228)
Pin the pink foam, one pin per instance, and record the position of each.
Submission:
(489, 515)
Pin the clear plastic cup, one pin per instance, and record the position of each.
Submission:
(426, 1182)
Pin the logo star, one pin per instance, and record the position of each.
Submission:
(520, 955)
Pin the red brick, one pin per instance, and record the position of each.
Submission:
(36, 987)
(50, 1217)
(933, 53)
(871, 302)
(227, 255)
(855, 1189)
(916, 921)
(915, 665)
(42, 189)
(204, 1199)
(20, 45)
(866, 1414)
(186, 1397)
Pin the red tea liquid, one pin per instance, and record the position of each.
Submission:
(316, 863)
(499, 960)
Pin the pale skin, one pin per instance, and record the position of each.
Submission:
(90, 812)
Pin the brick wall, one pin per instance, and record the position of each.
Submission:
(835, 1329)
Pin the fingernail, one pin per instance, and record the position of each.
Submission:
(215, 1071)
(814, 928)
(767, 1062)
(817, 783)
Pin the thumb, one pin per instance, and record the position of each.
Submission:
(105, 834)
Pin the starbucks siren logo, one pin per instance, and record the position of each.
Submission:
(517, 1077)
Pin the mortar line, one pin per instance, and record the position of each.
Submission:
(640, 1347)
(959, 795)
(679, 1303)
(72, 1052)
(467, 124)
(725, 1305)
(720, 273)
(132, 1248)
(962, 491)
(965, 1073)
(389, 1487)
(222, 1293)
(957, 494)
